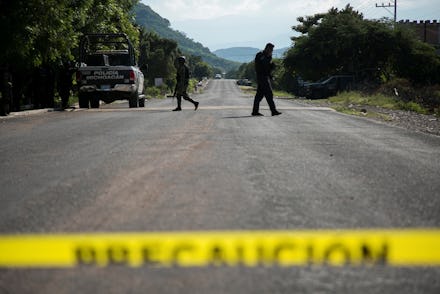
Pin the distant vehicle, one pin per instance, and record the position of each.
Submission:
(108, 71)
(327, 87)
(218, 76)
(244, 82)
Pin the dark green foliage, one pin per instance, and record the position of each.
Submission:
(41, 35)
(199, 69)
(157, 57)
(45, 32)
(247, 71)
(283, 79)
(340, 42)
(158, 60)
(405, 91)
(415, 60)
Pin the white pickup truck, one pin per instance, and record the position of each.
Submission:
(108, 71)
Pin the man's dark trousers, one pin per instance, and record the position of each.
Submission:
(264, 89)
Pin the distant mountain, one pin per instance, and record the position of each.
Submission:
(152, 21)
(239, 54)
(245, 54)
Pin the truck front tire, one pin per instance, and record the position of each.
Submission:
(133, 101)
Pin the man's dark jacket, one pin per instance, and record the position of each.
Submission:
(263, 67)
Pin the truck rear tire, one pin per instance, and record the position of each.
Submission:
(133, 101)
(83, 101)
(142, 102)
(94, 102)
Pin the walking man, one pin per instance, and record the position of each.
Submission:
(264, 67)
(182, 84)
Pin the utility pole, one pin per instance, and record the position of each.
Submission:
(390, 5)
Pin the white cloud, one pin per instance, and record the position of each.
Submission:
(221, 23)
(180, 10)
(301, 8)
(203, 9)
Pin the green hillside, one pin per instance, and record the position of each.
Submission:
(245, 54)
(239, 54)
(152, 21)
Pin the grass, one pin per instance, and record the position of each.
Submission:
(282, 94)
(347, 99)
(248, 90)
(356, 98)
(252, 91)
(412, 106)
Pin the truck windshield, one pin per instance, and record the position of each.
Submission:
(95, 59)
(113, 59)
(119, 59)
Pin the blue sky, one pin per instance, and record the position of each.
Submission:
(219, 24)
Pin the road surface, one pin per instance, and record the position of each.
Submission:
(117, 169)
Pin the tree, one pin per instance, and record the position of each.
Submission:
(37, 31)
(159, 55)
(342, 41)
(106, 16)
(247, 71)
(201, 70)
(415, 60)
(43, 34)
(338, 42)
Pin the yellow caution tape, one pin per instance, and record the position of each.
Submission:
(419, 247)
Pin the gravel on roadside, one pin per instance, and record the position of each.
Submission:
(410, 120)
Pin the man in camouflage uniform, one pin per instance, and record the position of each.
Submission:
(182, 84)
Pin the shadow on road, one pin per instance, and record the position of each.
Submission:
(244, 116)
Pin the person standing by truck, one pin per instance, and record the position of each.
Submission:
(182, 80)
(65, 83)
(263, 68)
(5, 91)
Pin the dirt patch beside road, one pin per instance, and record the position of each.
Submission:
(407, 119)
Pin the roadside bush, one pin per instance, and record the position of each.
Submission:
(153, 92)
(412, 106)
(192, 85)
(410, 95)
(401, 89)
(359, 98)
(430, 97)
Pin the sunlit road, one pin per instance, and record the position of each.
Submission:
(140, 170)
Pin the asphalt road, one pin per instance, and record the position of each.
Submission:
(218, 168)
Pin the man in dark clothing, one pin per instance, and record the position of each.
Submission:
(182, 84)
(65, 84)
(264, 67)
(5, 91)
